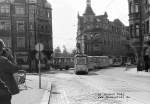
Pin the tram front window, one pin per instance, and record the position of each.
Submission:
(81, 61)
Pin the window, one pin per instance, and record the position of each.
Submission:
(48, 14)
(19, 10)
(4, 25)
(131, 8)
(20, 42)
(137, 30)
(42, 28)
(20, 26)
(5, 9)
(131, 31)
(147, 27)
(81, 61)
(136, 8)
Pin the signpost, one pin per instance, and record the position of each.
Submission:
(39, 47)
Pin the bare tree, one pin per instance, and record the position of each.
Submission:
(57, 52)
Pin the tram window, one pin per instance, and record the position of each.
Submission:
(81, 61)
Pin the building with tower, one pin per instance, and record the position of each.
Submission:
(97, 36)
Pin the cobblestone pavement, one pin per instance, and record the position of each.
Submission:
(68, 88)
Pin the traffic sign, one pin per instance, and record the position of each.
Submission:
(39, 47)
(39, 56)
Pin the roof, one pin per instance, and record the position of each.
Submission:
(89, 11)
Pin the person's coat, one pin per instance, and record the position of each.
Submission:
(7, 68)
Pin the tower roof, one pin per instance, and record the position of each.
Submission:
(89, 10)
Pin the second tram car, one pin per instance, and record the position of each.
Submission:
(63, 62)
(96, 62)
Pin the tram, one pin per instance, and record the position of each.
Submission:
(81, 66)
(96, 62)
(63, 62)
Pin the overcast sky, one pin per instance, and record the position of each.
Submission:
(65, 17)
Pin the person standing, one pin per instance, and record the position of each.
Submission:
(7, 69)
(147, 58)
(5, 95)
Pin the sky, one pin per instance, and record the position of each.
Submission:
(64, 17)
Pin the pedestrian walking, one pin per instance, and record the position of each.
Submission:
(7, 69)
(147, 58)
(128, 63)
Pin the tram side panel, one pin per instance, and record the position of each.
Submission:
(63, 63)
(97, 62)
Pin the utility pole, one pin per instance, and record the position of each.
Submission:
(28, 32)
(11, 29)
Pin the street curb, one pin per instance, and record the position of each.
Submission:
(46, 96)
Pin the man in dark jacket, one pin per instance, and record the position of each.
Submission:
(7, 68)
(5, 96)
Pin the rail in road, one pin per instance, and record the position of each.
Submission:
(113, 90)
(102, 83)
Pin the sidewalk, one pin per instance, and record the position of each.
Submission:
(33, 95)
(134, 71)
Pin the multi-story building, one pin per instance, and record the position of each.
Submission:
(96, 35)
(139, 17)
(23, 24)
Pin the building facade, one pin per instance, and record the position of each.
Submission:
(139, 17)
(23, 24)
(139, 14)
(96, 35)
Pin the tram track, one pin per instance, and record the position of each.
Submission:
(100, 86)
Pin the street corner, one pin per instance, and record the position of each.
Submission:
(32, 94)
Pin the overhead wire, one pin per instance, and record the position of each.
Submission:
(109, 5)
(111, 1)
